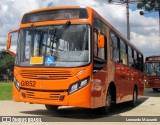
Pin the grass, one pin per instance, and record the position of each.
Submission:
(5, 90)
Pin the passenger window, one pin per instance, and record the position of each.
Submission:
(140, 61)
(130, 56)
(114, 48)
(98, 52)
(95, 43)
(135, 60)
(123, 49)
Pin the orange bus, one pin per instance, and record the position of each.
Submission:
(152, 72)
(71, 56)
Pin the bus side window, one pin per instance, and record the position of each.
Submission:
(140, 62)
(135, 60)
(114, 44)
(123, 49)
(130, 56)
(99, 52)
(95, 43)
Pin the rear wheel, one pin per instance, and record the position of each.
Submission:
(155, 89)
(51, 107)
(134, 98)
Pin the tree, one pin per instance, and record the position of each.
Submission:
(6, 64)
(149, 5)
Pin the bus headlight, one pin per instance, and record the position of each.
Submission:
(83, 83)
(78, 85)
(16, 83)
(73, 88)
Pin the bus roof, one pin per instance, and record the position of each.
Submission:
(56, 7)
(154, 58)
(95, 13)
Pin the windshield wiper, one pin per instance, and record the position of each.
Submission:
(58, 34)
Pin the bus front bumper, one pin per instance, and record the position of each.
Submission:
(80, 98)
(153, 84)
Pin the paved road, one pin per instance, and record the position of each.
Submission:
(149, 105)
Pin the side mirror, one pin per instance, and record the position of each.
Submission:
(100, 41)
(11, 42)
(8, 42)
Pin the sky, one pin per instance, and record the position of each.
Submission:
(144, 30)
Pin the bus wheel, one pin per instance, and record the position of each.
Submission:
(51, 107)
(134, 99)
(107, 108)
(155, 89)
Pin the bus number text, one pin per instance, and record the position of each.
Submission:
(28, 83)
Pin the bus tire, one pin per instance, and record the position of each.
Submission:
(106, 109)
(134, 98)
(51, 107)
(155, 89)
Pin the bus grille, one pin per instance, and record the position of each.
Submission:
(39, 95)
(47, 75)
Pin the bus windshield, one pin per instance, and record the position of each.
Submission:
(54, 46)
(152, 69)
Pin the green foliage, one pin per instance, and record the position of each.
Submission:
(6, 62)
(5, 91)
(149, 5)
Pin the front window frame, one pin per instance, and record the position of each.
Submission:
(152, 71)
(43, 65)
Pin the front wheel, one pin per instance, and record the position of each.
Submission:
(107, 108)
(51, 107)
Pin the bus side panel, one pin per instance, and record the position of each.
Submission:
(117, 75)
(116, 80)
(131, 82)
(136, 79)
(120, 81)
(99, 88)
(141, 85)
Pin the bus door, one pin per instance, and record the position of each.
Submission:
(99, 69)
